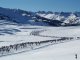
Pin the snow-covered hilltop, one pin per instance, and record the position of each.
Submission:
(40, 18)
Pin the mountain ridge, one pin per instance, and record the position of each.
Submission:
(40, 18)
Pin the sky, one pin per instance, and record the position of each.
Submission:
(42, 5)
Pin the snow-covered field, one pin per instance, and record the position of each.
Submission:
(63, 51)
(63, 31)
(15, 34)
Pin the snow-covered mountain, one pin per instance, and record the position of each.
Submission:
(67, 18)
(40, 18)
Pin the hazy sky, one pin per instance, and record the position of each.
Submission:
(46, 5)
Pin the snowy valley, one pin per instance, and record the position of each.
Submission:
(39, 35)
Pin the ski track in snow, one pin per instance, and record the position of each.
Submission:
(37, 32)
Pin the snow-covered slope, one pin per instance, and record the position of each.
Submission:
(63, 51)
(40, 34)
(68, 18)
(51, 16)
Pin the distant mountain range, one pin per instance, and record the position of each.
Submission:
(40, 18)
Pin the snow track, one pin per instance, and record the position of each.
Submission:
(23, 45)
(27, 46)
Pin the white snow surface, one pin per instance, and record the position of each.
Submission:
(63, 31)
(51, 16)
(61, 51)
